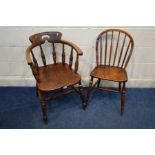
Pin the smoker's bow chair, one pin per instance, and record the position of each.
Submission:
(59, 73)
(113, 51)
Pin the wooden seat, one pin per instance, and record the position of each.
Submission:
(110, 73)
(113, 51)
(60, 72)
(57, 76)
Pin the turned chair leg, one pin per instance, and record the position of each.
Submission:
(89, 90)
(119, 86)
(98, 84)
(43, 105)
(122, 98)
(82, 95)
(36, 90)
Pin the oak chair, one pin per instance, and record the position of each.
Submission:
(113, 51)
(59, 76)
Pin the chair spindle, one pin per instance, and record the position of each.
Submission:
(105, 58)
(63, 54)
(111, 48)
(71, 58)
(116, 49)
(97, 63)
(127, 61)
(121, 51)
(126, 54)
(42, 55)
(34, 60)
(76, 63)
(101, 50)
(54, 53)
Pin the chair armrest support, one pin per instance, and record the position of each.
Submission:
(76, 48)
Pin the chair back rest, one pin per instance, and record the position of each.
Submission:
(114, 48)
(49, 44)
(40, 38)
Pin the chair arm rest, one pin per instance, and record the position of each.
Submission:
(77, 49)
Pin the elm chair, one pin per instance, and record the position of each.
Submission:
(113, 51)
(54, 63)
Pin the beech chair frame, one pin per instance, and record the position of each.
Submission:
(112, 68)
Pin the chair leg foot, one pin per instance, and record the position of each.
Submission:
(84, 107)
(45, 118)
(82, 96)
(122, 103)
(43, 106)
(37, 90)
(89, 91)
(44, 111)
(84, 104)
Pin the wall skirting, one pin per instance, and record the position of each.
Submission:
(30, 81)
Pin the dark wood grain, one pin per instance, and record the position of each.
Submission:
(40, 38)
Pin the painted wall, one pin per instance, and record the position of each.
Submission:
(14, 40)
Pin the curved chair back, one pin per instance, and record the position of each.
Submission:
(114, 48)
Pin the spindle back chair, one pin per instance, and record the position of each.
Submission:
(57, 75)
(114, 48)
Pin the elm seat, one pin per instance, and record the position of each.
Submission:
(110, 73)
(56, 76)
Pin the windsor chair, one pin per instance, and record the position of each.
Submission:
(55, 76)
(113, 51)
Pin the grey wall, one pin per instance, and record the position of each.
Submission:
(14, 40)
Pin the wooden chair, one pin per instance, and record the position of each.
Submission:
(58, 73)
(113, 51)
